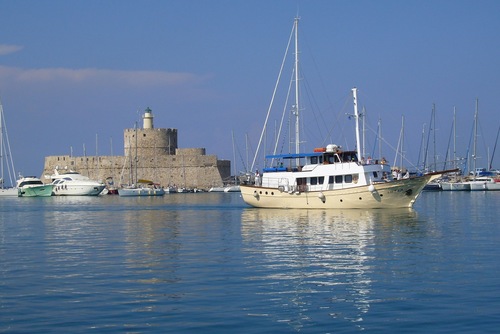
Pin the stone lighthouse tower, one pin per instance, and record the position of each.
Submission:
(148, 141)
(147, 119)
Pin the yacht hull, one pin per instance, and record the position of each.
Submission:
(131, 192)
(78, 190)
(36, 191)
(7, 192)
(396, 194)
(455, 186)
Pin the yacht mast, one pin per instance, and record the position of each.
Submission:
(1, 147)
(494, 149)
(434, 134)
(363, 115)
(454, 137)
(297, 107)
(356, 118)
(475, 138)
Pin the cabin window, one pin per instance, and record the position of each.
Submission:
(338, 178)
(375, 175)
(317, 180)
(314, 160)
(348, 178)
(302, 184)
(330, 179)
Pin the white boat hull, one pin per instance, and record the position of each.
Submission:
(481, 184)
(78, 190)
(36, 191)
(486, 183)
(493, 186)
(396, 194)
(455, 186)
(146, 191)
(477, 185)
(7, 192)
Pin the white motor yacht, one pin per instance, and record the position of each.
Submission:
(72, 183)
(31, 186)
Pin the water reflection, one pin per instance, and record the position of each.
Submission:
(316, 260)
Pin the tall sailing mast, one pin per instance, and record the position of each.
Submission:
(356, 118)
(297, 106)
(474, 154)
(295, 109)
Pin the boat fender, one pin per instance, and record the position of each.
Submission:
(371, 188)
(322, 197)
(256, 194)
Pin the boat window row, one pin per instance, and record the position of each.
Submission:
(334, 158)
(332, 179)
(31, 182)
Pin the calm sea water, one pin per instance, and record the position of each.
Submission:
(207, 263)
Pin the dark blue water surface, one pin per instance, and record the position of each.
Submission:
(207, 263)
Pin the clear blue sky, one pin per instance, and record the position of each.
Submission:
(71, 71)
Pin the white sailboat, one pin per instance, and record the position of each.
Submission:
(329, 177)
(6, 160)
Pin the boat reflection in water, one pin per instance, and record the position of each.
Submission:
(318, 260)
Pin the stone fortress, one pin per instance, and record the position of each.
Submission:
(150, 154)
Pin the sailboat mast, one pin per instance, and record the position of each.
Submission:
(136, 158)
(494, 149)
(363, 114)
(434, 134)
(234, 158)
(475, 137)
(402, 140)
(356, 118)
(1, 147)
(296, 109)
(379, 137)
(454, 137)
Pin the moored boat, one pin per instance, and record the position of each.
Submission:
(455, 185)
(141, 190)
(72, 183)
(342, 183)
(485, 183)
(31, 186)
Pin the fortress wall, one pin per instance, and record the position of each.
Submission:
(191, 171)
